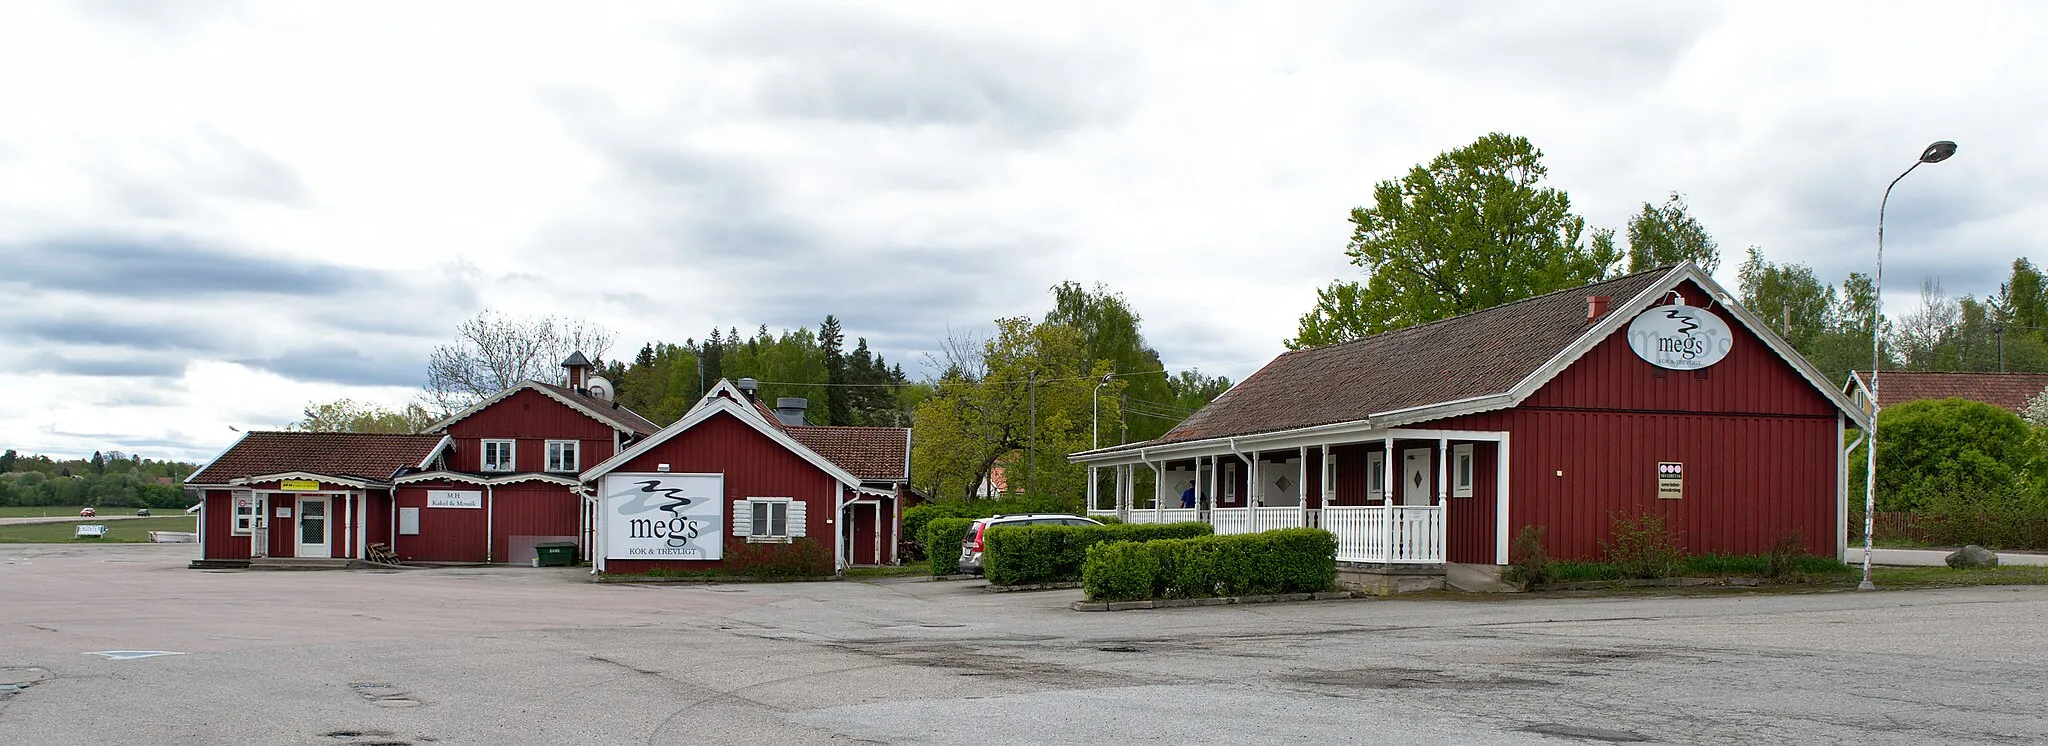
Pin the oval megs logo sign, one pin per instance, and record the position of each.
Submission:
(1680, 337)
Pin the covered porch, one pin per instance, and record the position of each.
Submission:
(1390, 497)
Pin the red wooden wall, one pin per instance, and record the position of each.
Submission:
(753, 465)
(531, 509)
(446, 534)
(532, 419)
(219, 514)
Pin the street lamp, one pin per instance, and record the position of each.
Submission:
(1095, 422)
(1935, 153)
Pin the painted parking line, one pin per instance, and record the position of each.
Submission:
(129, 655)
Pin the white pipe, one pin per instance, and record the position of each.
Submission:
(490, 516)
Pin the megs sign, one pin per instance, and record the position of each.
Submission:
(664, 516)
(1680, 337)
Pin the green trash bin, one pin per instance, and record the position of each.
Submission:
(556, 553)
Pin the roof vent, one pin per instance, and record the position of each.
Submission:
(750, 387)
(790, 409)
(1596, 306)
(578, 367)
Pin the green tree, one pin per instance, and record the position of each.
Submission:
(1668, 234)
(99, 463)
(7, 461)
(1110, 332)
(1025, 390)
(832, 340)
(1473, 229)
(1950, 453)
(351, 416)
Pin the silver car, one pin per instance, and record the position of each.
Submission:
(973, 543)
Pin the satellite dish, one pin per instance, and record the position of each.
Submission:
(599, 387)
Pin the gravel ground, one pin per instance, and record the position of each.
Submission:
(523, 655)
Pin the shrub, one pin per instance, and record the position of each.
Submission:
(1528, 563)
(1643, 548)
(1950, 451)
(1017, 555)
(802, 558)
(1295, 560)
(917, 518)
(945, 533)
(1789, 547)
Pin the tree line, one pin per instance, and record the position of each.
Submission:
(106, 479)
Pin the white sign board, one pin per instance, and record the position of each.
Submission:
(664, 516)
(284, 511)
(1680, 337)
(408, 521)
(454, 499)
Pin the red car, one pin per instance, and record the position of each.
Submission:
(88, 513)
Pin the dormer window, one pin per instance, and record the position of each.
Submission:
(498, 455)
(562, 455)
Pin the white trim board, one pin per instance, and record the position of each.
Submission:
(712, 405)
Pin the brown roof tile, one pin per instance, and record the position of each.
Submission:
(1477, 354)
(2008, 390)
(367, 456)
(870, 453)
(607, 410)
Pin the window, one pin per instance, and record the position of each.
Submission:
(562, 455)
(1230, 482)
(245, 514)
(1376, 475)
(768, 519)
(1461, 470)
(498, 455)
(1329, 475)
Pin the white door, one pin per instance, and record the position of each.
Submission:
(313, 528)
(1415, 476)
(259, 529)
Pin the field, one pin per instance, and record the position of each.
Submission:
(129, 530)
(43, 511)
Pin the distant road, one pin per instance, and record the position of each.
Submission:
(76, 519)
(1934, 557)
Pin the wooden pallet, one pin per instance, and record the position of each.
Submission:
(382, 554)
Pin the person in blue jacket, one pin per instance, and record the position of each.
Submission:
(1187, 496)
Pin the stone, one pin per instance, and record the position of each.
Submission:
(1972, 556)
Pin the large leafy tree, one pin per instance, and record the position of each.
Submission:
(1025, 391)
(351, 416)
(1109, 330)
(1669, 234)
(1475, 228)
(1948, 453)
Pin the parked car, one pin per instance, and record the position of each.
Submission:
(144, 512)
(972, 544)
(88, 513)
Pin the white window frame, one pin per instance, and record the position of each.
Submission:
(1230, 481)
(1376, 475)
(1464, 470)
(574, 450)
(1329, 476)
(755, 508)
(511, 455)
(244, 523)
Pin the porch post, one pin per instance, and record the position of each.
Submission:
(362, 522)
(1301, 488)
(1500, 502)
(1387, 495)
(1158, 486)
(1214, 469)
(1094, 485)
(1443, 502)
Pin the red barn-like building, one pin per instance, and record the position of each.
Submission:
(492, 481)
(1649, 394)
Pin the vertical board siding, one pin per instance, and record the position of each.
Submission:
(221, 543)
(1470, 525)
(530, 509)
(532, 419)
(753, 465)
(446, 534)
(864, 546)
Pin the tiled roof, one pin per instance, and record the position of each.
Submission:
(364, 456)
(871, 453)
(607, 410)
(2008, 390)
(1477, 354)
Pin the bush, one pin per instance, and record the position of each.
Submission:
(1294, 560)
(801, 558)
(917, 518)
(1528, 563)
(1950, 451)
(1017, 555)
(945, 532)
(1643, 547)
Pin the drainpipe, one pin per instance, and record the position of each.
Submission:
(490, 513)
(1251, 475)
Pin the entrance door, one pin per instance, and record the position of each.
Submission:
(259, 528)
(1415, 476)
(312, 520)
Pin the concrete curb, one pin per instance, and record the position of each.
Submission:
(1602, 585)
(702, 580)
(1031, 587)
(1175, 603)
(957, 576)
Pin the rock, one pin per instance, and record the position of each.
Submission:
(1972, 556)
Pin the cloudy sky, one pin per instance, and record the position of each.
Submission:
(212, 213)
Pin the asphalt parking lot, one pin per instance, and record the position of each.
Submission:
(519, 655)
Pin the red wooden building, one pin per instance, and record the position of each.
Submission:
(1653, 393)
(490, 482)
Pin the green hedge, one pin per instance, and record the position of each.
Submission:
(916, 519)
(1294, 560)
(1017, 555)
(945, 533)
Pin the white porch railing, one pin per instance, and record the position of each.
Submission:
(1267, 519)
(1166, 515)
(1231, 521)
(1416, 535)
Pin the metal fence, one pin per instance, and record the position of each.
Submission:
(1994, 529)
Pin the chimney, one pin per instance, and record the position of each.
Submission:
(790, 409)
(1596, 307)
(750, 387)
(579, 370)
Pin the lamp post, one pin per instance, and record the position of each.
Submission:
(1935, 153)
(1095, 421)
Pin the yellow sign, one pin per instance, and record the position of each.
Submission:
(298, 485)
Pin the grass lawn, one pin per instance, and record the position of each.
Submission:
(131, 530)
(45, 511)
(1945, 577)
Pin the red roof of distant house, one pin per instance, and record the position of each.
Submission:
(361, 456)
(2008, 390)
